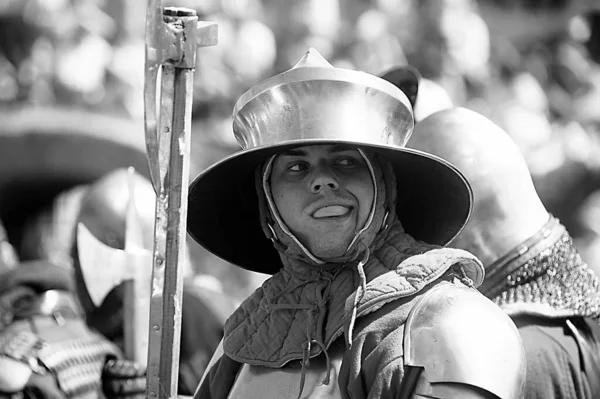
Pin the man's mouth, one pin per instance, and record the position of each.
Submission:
(331, 211)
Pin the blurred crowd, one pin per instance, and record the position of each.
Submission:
(532, 66)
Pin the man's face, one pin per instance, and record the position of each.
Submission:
(324, 194)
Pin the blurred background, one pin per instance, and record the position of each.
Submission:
(532, 66)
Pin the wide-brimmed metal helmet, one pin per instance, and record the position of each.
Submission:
(314, 103)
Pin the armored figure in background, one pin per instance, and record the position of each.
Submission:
(47, 348)
(533, 270)
(101, 207)
(103, 211)
(40, 202)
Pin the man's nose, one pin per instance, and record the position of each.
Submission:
(324, 179)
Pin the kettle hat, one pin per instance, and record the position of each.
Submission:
(315, 103)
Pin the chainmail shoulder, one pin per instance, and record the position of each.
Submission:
(555, 283)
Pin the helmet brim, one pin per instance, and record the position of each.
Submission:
(434, 202)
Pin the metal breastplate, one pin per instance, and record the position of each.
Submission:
(254, 382)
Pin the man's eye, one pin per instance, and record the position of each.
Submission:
(347, 161)
(297, 167)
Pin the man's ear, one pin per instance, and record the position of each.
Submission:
(407, 79)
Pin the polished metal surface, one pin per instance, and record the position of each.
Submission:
(460, 337)
(314, 100)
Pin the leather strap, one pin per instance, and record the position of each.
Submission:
(409, 381)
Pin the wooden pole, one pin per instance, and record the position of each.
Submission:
(169, 150)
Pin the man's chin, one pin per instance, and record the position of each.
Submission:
(327, 251)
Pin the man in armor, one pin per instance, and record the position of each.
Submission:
(103, 211)
(101, 207)
(43, 199)
(533, 271)
(364, 300)
(47, 349)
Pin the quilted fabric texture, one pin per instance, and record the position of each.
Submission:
(297, 305)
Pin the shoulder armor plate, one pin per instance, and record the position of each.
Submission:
(458, 336)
